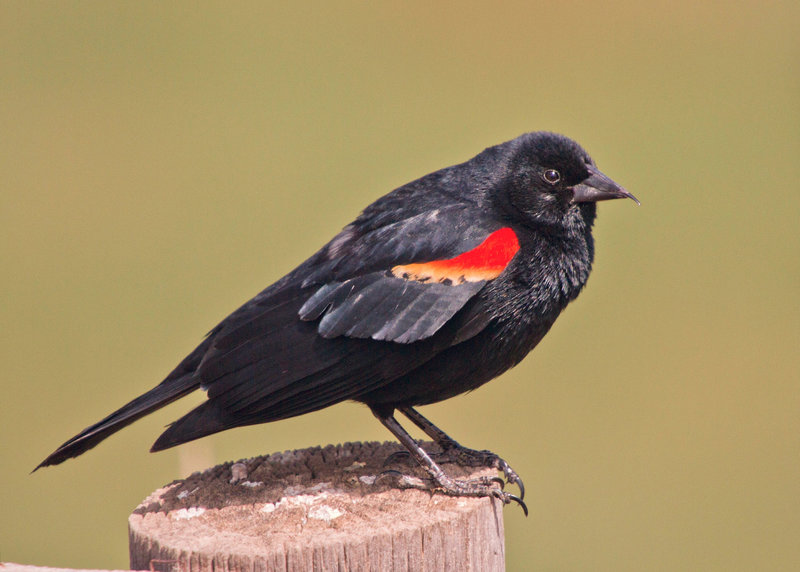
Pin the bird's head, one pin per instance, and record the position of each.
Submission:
(550, 180)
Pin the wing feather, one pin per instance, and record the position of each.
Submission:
(317, 336)
(409, 302)
(385, 307)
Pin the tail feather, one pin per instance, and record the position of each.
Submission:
(206, 419)
(163, 394)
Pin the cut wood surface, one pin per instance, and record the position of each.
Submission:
(331, 508)
(14, 567)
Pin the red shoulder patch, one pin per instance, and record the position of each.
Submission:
(484, 262)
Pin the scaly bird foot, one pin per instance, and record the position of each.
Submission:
(477, 487)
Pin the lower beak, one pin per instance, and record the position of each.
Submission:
(598, 187)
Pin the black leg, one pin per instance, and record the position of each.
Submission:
(476, 488)
(461, 454)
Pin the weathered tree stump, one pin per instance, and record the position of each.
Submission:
(315, 509)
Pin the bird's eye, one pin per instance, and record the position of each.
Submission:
(551, 176)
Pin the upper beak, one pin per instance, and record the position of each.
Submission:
(598, 187)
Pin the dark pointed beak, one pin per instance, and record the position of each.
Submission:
(598, 187)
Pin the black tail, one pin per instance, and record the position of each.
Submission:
(163, 394)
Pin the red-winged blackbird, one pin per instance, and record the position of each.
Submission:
(436, 288)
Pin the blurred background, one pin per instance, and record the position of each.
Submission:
(162, 163)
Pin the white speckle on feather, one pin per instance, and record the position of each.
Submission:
(433, 216)
(367, 479)
(339, 241)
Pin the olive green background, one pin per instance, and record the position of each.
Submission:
(160, 163)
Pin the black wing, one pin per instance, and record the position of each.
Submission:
(399, 282)
(329, 331)
(385, 307)
(320, 335)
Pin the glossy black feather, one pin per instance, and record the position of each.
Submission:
(385, 307)
(434, 234)
(342, 326)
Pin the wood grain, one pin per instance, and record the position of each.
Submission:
(315, 509)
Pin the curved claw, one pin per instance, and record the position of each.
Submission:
(397, 456)
(507, 498)
(521, 487)
(512, 477)
(519, 501)
(501, 483)
(389, 473)
(404, 481)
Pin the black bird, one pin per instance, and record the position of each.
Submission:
(436, 288)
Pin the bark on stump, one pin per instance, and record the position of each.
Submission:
(315, 509)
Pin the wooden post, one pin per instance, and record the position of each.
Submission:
(315, 509)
